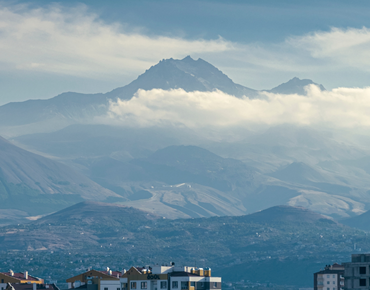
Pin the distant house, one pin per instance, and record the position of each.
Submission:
(331, 278)
(96, 280)
(14, 278)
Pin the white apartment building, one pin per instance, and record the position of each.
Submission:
(331, 278)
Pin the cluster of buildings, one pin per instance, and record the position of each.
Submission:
(354, 275)
(136, 278)
(23, 281)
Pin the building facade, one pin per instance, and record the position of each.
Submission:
(331, 278)
(357, 272)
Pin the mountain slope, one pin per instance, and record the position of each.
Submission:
(294, 86)
(298, 172)
(177, 181)
(39, 185)
(361, 221)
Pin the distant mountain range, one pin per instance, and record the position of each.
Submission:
(36, 116)
(283, 238)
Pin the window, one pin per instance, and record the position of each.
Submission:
(163, 284)
(105, 288)
(214, 284)
(2, 280)
(144, 285)
(363, 270)
(201, 284)
(133, 285)
(333, 276)
(175, 284)
(184, 285)
(333, 282)
(327, 288)
(192, 284)
(362, 282)
(118, 288)
(327, 282)
(327, 276)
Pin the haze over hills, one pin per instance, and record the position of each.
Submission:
(285, 238)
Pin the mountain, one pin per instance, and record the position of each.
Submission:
(294, 86)
(286, 214)
(40, 116)
(70, 108)
(188, 74)
(37, 185)
(284, 238)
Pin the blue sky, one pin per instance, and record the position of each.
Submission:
(95, 46)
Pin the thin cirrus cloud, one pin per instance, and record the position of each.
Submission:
(337, 108)
(73, 41)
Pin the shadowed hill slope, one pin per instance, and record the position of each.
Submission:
(39, 185)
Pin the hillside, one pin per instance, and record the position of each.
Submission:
(37, 185)
(118, 236)
(361, 221)
(176, 181)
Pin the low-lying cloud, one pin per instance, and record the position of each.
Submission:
(337, 108)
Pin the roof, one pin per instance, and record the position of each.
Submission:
(184, 274)
(328, 271)
(20, 276)
(104, 274)
(114, 273)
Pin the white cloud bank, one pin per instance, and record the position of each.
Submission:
(75, 42)
(338, 108)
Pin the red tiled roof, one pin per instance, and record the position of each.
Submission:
(21, 276)
(114, 273)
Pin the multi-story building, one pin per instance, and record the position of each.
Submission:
(331, 278)
(12, 277)
(169, 278)
(357, 272)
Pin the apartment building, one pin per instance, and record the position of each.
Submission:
(331, 278)
(357, 272)
(169, 278)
